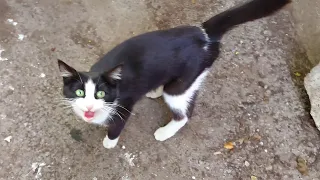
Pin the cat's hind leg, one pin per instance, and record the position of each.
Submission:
(181, 105)
(155, 93)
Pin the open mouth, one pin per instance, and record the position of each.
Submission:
(89, 115)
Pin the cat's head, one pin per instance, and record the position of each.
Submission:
(92, 96)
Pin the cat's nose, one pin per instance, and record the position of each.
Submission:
(89, 107)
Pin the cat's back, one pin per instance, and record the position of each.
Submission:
(168, 38)
(160, 44)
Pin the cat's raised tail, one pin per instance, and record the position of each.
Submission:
(216, 26)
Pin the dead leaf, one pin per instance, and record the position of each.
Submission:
(297, 74)
(257, 137)
(241, 140)
(302, 166)
(193, 1)
(229, 145)
(254, 178)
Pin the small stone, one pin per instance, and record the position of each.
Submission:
(269, 168)
(123, 147)
(310, 144)
(10, 20)
(261, 84)
(42, 75)
(1, 58)
(261, 143)
(8, 139)
(267, 33)
(193, 177)
(21, 37)
(246, 163)
(14, 23)
(3, 116)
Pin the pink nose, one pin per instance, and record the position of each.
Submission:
(89, 107)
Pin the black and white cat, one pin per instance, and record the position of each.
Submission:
(172, 63)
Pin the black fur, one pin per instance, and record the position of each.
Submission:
(173, 58)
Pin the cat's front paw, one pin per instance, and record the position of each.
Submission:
(163, 134)
(108, 143)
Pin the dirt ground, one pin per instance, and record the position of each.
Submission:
(252, 97)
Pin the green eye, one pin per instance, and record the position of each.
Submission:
(101, 94)
(80, 93)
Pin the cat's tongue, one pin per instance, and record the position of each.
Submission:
(89, 114)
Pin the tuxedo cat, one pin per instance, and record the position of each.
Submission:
(171, 63)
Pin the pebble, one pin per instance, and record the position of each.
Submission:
(261, 143)
(246, 163)
(20, 37)
(46, 154)
(269, 168)
(8, 139)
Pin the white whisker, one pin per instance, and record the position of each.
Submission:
(117, 105)
(110, 117)
(113, 111)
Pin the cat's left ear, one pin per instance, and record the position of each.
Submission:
(115, 73)
(66, 70)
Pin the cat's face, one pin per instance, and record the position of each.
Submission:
(92, 96)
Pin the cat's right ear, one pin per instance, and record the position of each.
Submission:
(66, 70)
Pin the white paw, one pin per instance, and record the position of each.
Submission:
(108, 143)
(155, 93)
(163, 134)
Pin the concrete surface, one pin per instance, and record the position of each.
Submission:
(249, 97)
(307, 24)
